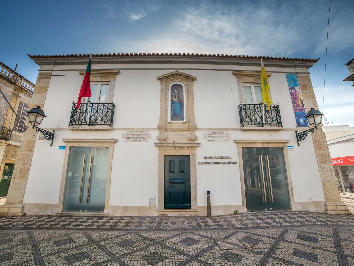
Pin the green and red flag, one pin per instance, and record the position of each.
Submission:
(85, 90)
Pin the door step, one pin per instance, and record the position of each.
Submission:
(177, 212)
(81, 214)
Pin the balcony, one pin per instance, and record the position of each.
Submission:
(258, 115)
(92, 114)
(16, 79)
(5, 133)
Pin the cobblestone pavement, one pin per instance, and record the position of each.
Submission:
(268, 238)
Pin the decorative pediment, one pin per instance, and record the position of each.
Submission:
(177, 131)
(176, 76)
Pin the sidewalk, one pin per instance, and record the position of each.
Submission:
(266, 238)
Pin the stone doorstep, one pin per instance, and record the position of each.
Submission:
(11, 210)
(81, 214)
(256, 128)
(337, 212)
(177, 212)
(336, 208)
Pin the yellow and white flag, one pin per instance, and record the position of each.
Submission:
(265, 86)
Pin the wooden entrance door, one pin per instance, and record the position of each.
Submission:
(177, 182)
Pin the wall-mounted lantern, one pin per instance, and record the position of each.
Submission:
(35, 117)
(314, 117)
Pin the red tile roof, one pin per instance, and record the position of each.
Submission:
(171, 55)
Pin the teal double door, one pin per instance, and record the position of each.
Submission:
(177, 182)
(86, 180)
(265, 179)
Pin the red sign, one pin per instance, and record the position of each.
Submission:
(348, 160)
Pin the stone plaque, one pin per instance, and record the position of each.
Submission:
(136, 136)
(217, 136)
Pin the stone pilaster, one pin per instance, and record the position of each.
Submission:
(333, 203)
(14, 201)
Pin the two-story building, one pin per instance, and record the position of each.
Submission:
(15, 96)
(160, 130)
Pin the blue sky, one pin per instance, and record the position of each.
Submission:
(270, 28)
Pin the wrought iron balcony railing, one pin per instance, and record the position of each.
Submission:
(259, 115)
(5, 133)
(92, 114)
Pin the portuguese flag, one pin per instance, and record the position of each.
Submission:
(85, 87)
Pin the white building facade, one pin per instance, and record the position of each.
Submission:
(160, 130)
(340, 140)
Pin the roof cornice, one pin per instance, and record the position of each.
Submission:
(171, 58)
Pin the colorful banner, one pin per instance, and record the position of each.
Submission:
(348, 160)
(297, 100)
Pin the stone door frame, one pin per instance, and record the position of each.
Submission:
(105, 143)
(177, 149)
(262, 144)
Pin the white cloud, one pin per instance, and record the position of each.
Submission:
(137, 16)
(153, 5)
(136, 11)
(109, 10)
(276, 30)
(338, 104)
(270, 29)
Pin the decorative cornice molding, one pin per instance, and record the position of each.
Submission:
(261, 141)
(177, 145)
(249, 74)
(175, 74)
(105, 72)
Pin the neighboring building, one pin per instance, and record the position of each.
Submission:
(350, 66)
(340, 140)
(17, 92)
(160, 130)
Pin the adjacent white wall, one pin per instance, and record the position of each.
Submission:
(135, 165)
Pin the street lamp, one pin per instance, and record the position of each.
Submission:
(35, 117)
(314, 117)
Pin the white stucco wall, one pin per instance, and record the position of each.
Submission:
(343, 147)
(135, 165)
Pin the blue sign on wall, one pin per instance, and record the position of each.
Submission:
(61, 148)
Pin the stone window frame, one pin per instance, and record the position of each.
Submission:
(104, 143)
(252, 78)
(245, 78)
(104, 76)
(184, 102)
(107, 76)
(167, 128)
(260, 144)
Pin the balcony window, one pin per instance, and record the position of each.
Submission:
(94, 110)
(253, 93)
(99, 93)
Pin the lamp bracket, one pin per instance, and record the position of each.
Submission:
(303, 134)
(47, 134)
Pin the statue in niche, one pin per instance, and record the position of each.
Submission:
(177, 102)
